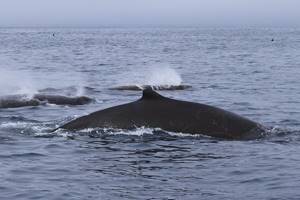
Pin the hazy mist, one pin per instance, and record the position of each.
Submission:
(149, 12)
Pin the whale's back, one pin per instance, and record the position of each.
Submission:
(156, 111)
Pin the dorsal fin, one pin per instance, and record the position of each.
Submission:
(149, 93)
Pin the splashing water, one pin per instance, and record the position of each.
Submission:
(163, 76)
(80, 90)
(151, 75)
(12, 82)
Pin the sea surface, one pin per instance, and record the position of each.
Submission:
(254, 72)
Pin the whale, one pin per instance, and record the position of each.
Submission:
(63, 100)
(17, 101)
(153, 110)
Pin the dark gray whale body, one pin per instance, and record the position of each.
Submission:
(63, 100)
(16, 101)
(156, 111)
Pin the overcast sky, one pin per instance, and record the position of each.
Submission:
(150, 12)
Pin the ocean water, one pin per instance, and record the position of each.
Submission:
(238, 69)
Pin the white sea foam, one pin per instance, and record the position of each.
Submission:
(137, 132)
(15, 124)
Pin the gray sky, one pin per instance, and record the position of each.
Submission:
(150, 12)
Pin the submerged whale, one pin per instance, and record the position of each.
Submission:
(63, 100)
(16, 101)
(154, 87)
(156, 111)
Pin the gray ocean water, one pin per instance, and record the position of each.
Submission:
(241, 70)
